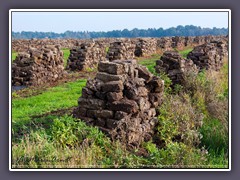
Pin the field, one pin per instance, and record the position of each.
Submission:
(45, 135)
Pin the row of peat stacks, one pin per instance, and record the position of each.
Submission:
(164, 43)
(208, 56)
(45, 64)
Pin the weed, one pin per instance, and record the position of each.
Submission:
(179, 120)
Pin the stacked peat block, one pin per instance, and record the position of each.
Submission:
(86, 55)
(105, 41)
(178, 42)
(222, 42)
(189, 41)
(208, 39)
(122, 100)
(164, 43)
(23, 45)
(38, 66)
(211, 38)
(209, 55)
(175, 66)
(145, 47)
(121, 49)
(198, 40)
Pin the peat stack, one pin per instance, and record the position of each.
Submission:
(145, 47)
(209, 56)
(199, 40)
(164, 43)
(175, 66)
(121, 50)
(178, 42)
(86, 55)
(38, 66)
(189, 41)
(122, 100)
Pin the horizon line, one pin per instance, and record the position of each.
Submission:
(120, 29)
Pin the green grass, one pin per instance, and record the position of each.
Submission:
(150, 62)
(55, 98)
(185, 52)
(215, 138)
(210, 96)
(14, 55)
(66, 53)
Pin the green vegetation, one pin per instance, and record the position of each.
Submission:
(196, 114)
(14, 55)
(63, 142)
(60, 97)
(149, 62)
(184, 107)
(66, 53)
(107, 49)
(185, 52)
(192, 130)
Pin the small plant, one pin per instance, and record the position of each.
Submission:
(63, 131)
(167, 82)
(15, 95)
(178, 88)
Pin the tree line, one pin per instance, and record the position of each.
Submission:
(188, 30)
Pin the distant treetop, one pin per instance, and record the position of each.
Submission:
(188, 30)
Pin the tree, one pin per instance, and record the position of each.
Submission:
(188, 30)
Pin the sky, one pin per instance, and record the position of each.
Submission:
(60, 22)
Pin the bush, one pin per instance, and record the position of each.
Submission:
(209, 92)
(196, 115)
(179, 120)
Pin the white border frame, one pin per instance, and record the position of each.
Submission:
(116, 10)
